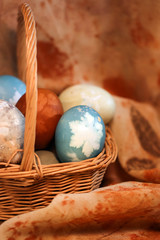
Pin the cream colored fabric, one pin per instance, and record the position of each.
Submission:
(136, 128)
(118, 212)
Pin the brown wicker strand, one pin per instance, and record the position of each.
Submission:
(26, 18)
(13, 155)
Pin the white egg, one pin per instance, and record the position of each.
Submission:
(47, 157)
(92, 96)
(12, 124)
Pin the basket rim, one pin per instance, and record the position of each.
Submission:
(103, 159)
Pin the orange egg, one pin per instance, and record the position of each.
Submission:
(49, 111)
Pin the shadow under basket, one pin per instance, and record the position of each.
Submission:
(30, 185)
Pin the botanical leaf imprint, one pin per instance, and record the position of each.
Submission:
(145, 133)
(87, 135)
(135, 163)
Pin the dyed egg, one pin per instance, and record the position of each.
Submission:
(47, 157)
(49, 111)
(92, 96)
(80, 134)
(12, 124)
(11, 88)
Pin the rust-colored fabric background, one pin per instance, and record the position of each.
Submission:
(115, 45)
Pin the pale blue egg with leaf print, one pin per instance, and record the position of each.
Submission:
(80, 134)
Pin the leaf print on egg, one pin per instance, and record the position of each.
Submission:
(73, 156)
(85, 135)
(16, 96)
(92, 100)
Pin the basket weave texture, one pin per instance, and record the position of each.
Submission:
(30, 185)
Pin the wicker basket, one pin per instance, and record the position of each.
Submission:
(30, 185)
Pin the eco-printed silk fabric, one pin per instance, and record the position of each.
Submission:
(115, 45)
(122, 211)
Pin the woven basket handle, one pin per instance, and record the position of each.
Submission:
(27, 72)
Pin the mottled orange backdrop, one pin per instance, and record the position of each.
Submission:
(114, 44)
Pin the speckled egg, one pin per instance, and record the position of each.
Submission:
(49, 111)
(92, 96)
(11, 88)
(47, 157)
(80, 134)
(12, 124)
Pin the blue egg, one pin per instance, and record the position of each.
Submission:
(80, 134)
(11, 88)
